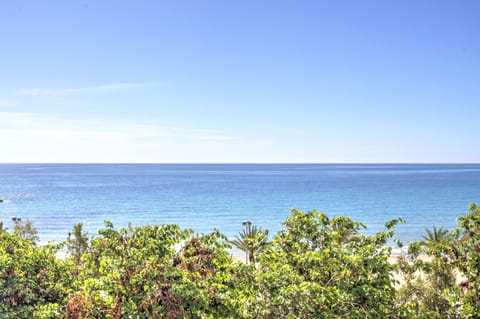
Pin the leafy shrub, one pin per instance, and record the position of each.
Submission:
(32, 279)
(325, 268)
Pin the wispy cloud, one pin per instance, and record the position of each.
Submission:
(29, 137)
(112, 87)
(7, 102)
(44, 125)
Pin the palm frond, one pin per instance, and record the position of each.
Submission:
(251, 240)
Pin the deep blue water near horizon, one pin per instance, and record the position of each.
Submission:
(208, 196)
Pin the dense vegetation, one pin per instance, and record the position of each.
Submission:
(316, 267)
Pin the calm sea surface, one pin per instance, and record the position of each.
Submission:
(207, 196)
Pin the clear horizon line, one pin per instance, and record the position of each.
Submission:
(244, 163)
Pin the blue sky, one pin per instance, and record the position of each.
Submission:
(239, 81)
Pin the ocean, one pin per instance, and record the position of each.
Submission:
(208, 196)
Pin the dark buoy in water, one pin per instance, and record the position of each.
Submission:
(1, 200)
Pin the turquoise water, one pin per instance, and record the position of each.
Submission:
(207, 196)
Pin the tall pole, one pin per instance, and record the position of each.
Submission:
(247, 224)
